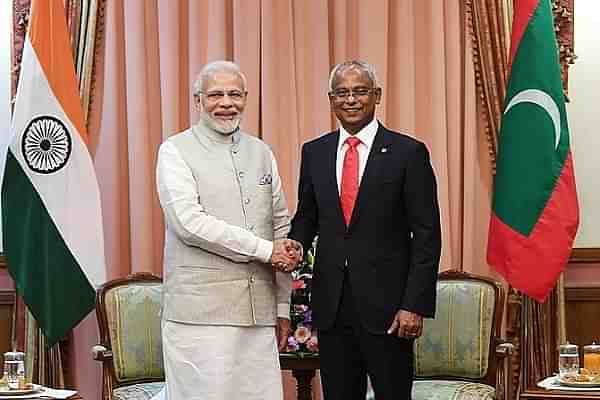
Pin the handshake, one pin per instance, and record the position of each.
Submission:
(286, 255)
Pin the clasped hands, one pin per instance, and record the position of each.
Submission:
(286, 255)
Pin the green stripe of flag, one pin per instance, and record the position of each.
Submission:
(45, 272)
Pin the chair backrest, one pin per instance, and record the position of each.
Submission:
(129, 318)
(460, 342)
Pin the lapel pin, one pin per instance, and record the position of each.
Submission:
(384, 149)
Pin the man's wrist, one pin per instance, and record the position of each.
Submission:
(264, 250)
(283, 310)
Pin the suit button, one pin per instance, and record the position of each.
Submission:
(252, 279)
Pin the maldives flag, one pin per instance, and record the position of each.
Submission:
(535, 211)
(51, 215)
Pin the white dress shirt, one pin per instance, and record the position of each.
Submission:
(366, 136)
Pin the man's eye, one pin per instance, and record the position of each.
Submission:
(236, 95)
(215, 96)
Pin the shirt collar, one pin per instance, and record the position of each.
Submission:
(366, 134)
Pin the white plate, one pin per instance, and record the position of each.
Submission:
(578, 384)
(4, 391)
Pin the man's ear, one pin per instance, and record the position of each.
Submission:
(198, 102)
(378, 95)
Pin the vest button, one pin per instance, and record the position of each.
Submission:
(241, 174)
(247, 201)
(252, 279)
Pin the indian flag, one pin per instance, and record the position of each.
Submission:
(535, 211)
(51, 216)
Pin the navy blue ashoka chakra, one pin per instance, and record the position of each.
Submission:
(46, 144)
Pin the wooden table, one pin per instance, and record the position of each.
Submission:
(540, 394)
(303, 367)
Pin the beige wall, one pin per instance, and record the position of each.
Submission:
(584, 119)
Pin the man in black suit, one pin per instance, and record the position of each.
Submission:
(370, 195)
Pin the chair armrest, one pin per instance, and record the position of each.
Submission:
(504, 350)
(101, 353)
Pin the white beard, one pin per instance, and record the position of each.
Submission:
(224, 127)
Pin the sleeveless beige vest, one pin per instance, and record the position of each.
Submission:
(205, 288)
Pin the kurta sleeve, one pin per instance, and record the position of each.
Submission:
(184, 214)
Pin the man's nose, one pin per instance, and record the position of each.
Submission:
(226, 101)
(351, 98)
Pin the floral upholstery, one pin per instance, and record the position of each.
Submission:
(446, 390)
(140, 391)
(451, 390)
(133, 313)
(457, 342)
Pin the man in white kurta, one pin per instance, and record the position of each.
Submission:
(226, 262)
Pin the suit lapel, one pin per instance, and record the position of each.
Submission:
(330, 174)
(380, 148)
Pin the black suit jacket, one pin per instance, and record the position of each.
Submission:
(392, 244)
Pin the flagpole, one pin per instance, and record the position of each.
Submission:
(561, 314)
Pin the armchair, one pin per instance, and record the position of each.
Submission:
(460, 355)
(130, 348)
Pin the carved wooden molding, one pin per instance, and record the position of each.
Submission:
(586, 294)
(3, 261)
(563, 26)
(513, 334)
(7, 297)
(20, 22)
(585, 256)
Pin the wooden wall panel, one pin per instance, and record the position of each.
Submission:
(7, 306)
(583, 315)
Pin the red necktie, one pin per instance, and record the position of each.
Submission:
(349, 185)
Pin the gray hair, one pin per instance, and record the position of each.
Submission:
(212, 68)
(358, 65)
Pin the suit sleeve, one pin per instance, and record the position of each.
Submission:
(423, 213)
(281, 227)
(304, 224)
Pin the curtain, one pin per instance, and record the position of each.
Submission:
(490, 40)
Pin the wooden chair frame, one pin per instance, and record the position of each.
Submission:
(498, 373)
(103, 352)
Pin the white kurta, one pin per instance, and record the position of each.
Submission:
(221, 362)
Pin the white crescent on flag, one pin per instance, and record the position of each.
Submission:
(545, 101)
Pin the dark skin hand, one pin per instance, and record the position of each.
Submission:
(283, 330)
(406, 325)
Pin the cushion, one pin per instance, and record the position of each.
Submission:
(456, 343)
(133, 313)
(140, 391)
(451, 390)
